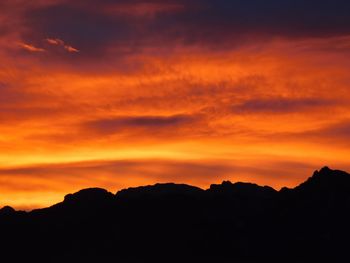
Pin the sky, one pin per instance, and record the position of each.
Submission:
(122, 93)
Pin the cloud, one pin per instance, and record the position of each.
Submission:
(152, 123)
(71, 49)
(330, 137)
(31, 48)
(59, 42)
(55, 41)
(282, 105)
(338, 133)
(341, 129)
(208, 23)
(140, 9)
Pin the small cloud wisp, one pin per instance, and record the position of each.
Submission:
(59, 42)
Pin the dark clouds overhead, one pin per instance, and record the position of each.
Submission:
(94, 26)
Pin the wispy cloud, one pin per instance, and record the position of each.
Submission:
(51, 41)
(60, 42)
(281, 105)
(152, 125)
(71, 49)
(31, 48)
(55, 41)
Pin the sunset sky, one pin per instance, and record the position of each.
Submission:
(120, 93)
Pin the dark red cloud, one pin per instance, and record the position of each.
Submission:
(155, 124)
(336, 133)
(282, 105)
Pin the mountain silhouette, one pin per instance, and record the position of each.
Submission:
(229, 222)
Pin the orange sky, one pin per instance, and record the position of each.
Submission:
(83, 104)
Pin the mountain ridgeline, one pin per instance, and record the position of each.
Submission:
(238, 222)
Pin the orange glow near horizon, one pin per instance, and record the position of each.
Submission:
(269, 111)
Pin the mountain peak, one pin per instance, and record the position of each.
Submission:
(327, 172)
(323, 171)
(239, 188)
(326, 179)
(159, 190)
(7, 210)
(88, 195)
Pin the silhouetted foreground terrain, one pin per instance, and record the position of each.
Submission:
(180, 223)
